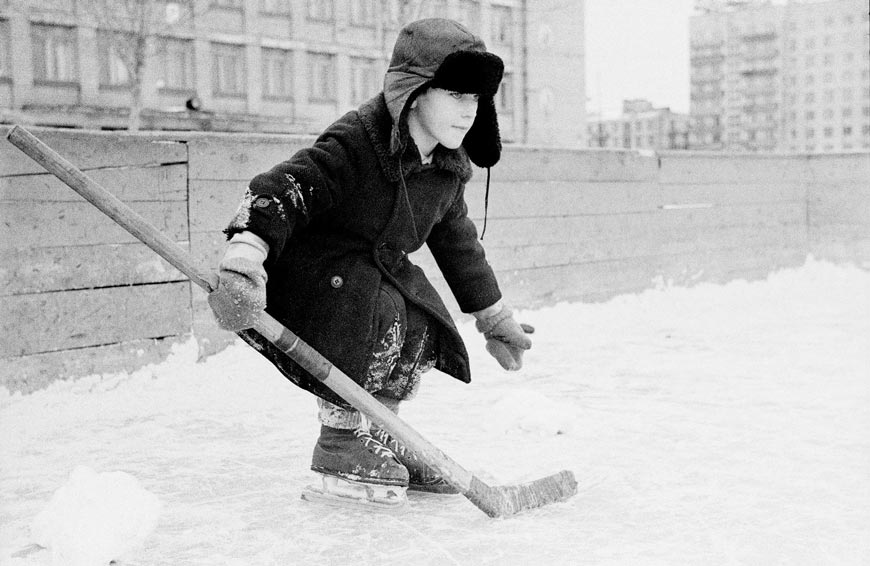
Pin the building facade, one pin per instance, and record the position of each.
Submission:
(641, 126)
(274, 65)
(787, 78)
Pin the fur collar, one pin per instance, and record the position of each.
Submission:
(378, 124)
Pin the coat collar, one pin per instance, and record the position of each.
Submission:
(378, 125)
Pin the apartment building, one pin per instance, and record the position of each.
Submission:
(641, 126)
(773, 77)
(274, 65)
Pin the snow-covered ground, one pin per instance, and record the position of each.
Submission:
(712, 425)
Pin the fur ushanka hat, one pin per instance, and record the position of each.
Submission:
(444, 54)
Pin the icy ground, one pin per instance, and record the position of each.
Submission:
(713, 425)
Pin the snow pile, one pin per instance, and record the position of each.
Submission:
(96, 518)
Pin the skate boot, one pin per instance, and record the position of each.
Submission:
(356, 470)
(421, 477)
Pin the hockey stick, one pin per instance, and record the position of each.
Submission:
(495, 501)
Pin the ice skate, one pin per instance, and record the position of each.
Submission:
(420, 476)
(356, 470)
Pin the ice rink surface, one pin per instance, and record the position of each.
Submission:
(718, 424)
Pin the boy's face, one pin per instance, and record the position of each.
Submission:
(443, 116)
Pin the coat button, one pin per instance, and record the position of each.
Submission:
(336, 281)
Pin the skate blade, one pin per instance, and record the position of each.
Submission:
(339, 492)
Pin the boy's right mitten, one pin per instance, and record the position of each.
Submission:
(241, 293)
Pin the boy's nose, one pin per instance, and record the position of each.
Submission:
(469, 108)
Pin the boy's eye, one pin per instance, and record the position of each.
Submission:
(462, 96)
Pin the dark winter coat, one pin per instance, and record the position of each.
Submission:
(340, 217)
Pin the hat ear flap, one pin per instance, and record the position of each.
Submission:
(483, 141)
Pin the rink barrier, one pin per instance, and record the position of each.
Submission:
(78, 295)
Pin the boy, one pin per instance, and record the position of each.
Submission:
(323, 239)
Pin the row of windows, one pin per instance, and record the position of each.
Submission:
(810, 42)
(828, 113)
(828, 96)
(827, 59)
(828, 132)
(55, 61)
(829, 21)
(829, 77)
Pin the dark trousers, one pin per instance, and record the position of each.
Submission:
(405, 348)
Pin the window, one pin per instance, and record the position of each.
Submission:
(321, 10)
(227, 4)
(277, 73)
(433, 9)
(364, 77)
(502, 25)
(505, 97)
(116, 58)
(469, 14)
(810, 133)
(829, 132)
(228, 69)
(277, 7)
(847, 130)
(176, 65)
(54, 54)
(322, 81)
(810, 115)
(5, 67)
(362, 13)
(847, 112)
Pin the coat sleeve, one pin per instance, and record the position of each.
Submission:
(462, 260)
(294, 191)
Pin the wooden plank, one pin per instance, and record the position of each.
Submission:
(158, 183)
(603, 280)
(673, 224)
(848, 189)
(560, 198)
(26, 374)
(48, 322)
(842, 167)
(60, 268)
(228, 159)
(522, 163)
(838, 211)
(52, 224)
(213, 203)
(93, 149)
(693, 168)
(675, 195)
(207, 248)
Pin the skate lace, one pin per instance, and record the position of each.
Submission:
(373, 444)
(384, 438)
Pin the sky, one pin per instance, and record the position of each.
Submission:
(637, 49)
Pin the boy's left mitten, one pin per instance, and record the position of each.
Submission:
(506, 339)
(241, 293)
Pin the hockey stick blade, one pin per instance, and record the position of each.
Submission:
(501, 501)
(507, 500)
